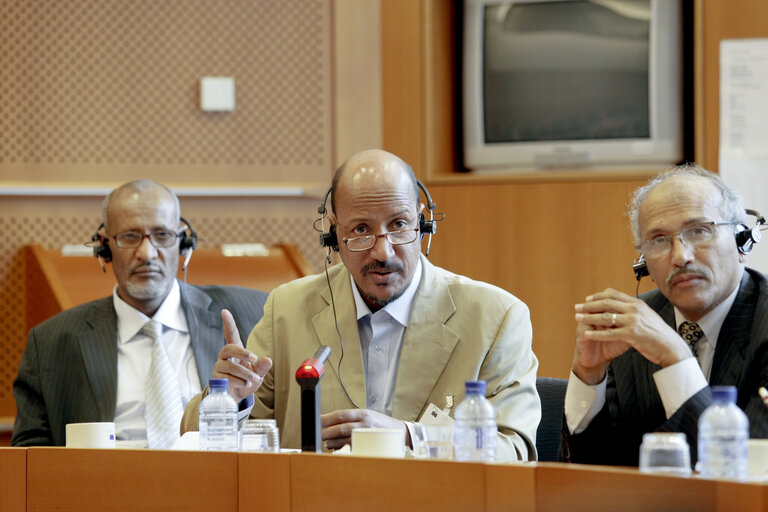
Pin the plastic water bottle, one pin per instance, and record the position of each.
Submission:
(475, 425)
(218, 418)
(723, 434)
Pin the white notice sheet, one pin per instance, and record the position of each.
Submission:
(744, 128)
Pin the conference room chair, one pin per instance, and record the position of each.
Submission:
(552, 393)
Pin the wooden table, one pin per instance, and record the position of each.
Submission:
(62, 479)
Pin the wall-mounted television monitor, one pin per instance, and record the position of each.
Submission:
(571, 83)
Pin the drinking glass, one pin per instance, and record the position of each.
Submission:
(260, 436)
(433, 441)
(665, 452)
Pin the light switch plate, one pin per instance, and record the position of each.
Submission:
(217, 93)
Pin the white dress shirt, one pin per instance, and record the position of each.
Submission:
(134, 353)
(381, 339)
(676, 383)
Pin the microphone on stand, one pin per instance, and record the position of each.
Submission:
(308, 376)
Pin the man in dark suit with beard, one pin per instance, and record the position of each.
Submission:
(137, 357)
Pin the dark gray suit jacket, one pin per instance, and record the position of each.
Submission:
(68, 372)
(633, 406)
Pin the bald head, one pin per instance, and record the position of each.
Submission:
(377, 167)
(137, 188)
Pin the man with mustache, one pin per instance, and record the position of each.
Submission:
(94, 362)
(403, 333)
(646, 364)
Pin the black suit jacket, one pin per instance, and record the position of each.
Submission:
(68, 372)
(633, 405)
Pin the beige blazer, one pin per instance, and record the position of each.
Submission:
(459, 330)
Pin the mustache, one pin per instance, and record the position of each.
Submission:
(384, 266)
(690, 270)
(147, 267)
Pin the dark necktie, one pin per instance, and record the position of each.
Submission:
(691, 333)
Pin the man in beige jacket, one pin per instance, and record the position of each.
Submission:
(409, 333)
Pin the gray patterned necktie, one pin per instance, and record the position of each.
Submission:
(691, 333)
(162, 396)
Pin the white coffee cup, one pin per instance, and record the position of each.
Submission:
(91, 435)
(757, 450)
(378, 442)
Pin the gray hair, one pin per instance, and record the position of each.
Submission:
(731, 205)
(139, 185)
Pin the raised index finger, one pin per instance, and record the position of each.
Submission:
(231, 334)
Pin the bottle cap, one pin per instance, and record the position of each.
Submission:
(218, 384)
(724, 394)
(475, 387)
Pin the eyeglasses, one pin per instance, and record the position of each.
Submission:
(132, 239)
(363, 243)
(691, 236)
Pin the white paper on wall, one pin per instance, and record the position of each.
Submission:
(744, 128)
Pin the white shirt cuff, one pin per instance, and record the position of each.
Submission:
(582, 403)
(411, 433)
(244, 408)
(679, 382)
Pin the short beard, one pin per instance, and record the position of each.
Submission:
(147, 291)
(384, 265)
(383, 302)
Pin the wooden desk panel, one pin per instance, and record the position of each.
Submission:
(510, 487)
(735, 497)
(43, 479)
(66, 479)
(336, 483)
(578, 487)
(264, 482)
(13, 479)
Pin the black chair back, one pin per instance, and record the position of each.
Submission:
(552, 394)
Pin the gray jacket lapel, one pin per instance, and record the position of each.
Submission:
(204, 323)
(98, 347)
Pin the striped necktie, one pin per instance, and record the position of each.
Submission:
(162, 396)
(691, 333)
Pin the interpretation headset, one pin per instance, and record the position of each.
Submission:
(426, 227)
(102, 250)
(746, 238)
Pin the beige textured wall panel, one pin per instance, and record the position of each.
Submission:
(110, 88)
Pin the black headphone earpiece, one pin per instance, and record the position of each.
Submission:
(329, 238)
(427, 227)
(187, 242)
(101, 247)
(640, 267)
(747, 237)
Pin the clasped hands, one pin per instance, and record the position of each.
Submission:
(245, 372)
(609, 323)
